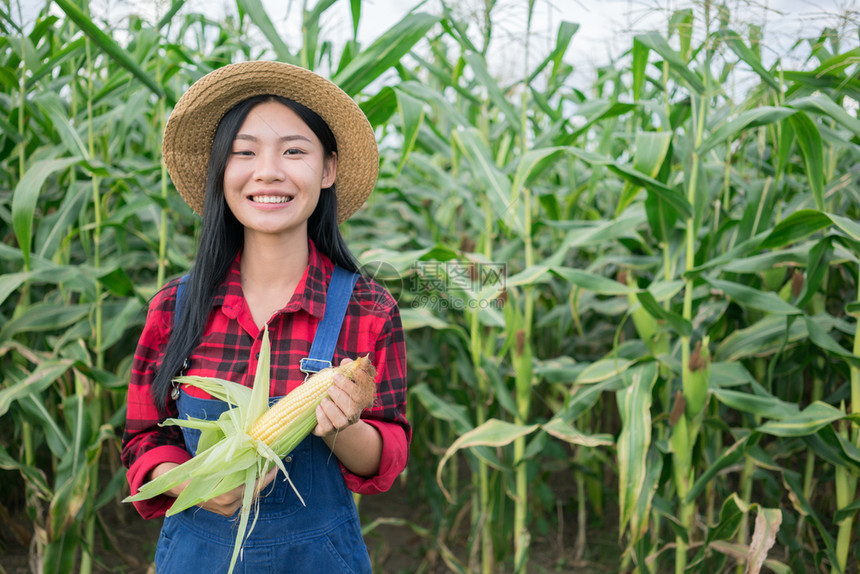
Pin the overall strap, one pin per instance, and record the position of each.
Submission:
(177, 310)
(336, 301)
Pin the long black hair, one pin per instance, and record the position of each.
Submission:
(222, 236)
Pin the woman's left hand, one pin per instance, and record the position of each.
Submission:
(343, 407)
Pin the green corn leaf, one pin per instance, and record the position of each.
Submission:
(835, 449)
(35, 477)
(807, 422)
(641, 516)
(595, 112)
(792, 482)
(671, 196)
(742, 249)
(766, 406)
(795, 227)
(847, 225)
(67, 501)
(43, 376)
(638, 67)
(45, 317)
(812, 151)
(847, 511)
(380, 107)
(729, 374)
(731, 515)
(530, 276)
(561, 430)
(602, 370)
(634, 440)
(478, 153)
(727, 458)
(493, 433)
(650, 153)
(566, 31)
(823, 105)
(58, 440)
(109, 46)
(385, 52)
(168, 16)
(678, 323)
(819, 336)
(654, 41)
(413, 318)
(760, 338)
(782, 258)
(588, 233)
(591, 281)
(532, 162)
(584, 397)
(736, 43)
(26, 196)
(482, 75)
(258, 15)
(51, 105)
(310, 33)
(355, 11)
(173, 477)
(411, 112)
(766, 301)
(71, 50)
(756, 117)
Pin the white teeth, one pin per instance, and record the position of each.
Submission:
(270, 199)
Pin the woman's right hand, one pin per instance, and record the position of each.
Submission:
(224, 504)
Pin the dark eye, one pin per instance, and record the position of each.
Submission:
(243, 152)
(294, 151)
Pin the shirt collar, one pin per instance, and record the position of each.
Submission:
(309, 295)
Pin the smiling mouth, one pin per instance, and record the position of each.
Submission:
(271, 199)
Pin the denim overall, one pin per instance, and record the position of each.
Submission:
(322, 537)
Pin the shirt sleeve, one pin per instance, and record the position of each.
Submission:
(388, 415)
(145, 445)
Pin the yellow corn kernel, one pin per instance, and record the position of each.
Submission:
(308, 395)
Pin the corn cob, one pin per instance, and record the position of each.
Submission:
(696, 378)
(279, 418)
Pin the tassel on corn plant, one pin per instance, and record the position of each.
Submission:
(243, 444)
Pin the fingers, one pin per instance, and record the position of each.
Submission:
(228, 503)
(365, 371)
(266, 480)
(346, 401)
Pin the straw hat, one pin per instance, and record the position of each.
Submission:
(190, 129)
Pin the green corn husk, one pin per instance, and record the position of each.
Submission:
(226, 456)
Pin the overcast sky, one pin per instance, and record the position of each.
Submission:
(606, 26)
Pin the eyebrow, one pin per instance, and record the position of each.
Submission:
(289, 138)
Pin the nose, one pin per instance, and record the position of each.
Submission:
(269, 166)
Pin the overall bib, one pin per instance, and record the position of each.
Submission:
(322, 537)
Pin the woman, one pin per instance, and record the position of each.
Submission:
(273, 157)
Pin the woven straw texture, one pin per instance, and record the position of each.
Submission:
(190, 129)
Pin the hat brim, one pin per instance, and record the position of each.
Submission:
(190, 129)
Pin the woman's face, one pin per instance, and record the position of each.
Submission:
(275, 171)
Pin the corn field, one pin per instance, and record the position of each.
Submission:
(631, 306)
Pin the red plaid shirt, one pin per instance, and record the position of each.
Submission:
(229, 349)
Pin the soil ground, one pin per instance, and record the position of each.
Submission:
(126, 544)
